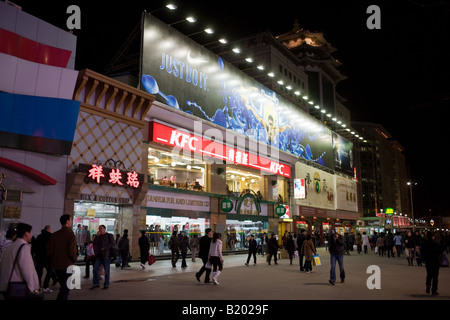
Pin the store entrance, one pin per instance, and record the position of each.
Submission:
(284, 228)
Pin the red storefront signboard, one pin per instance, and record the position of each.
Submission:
(185, 141)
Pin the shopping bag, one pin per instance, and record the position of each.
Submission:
(208, 265)
(151, 259)
(376, 249)
(316, 260)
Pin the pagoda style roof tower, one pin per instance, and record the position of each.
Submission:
(312, 50)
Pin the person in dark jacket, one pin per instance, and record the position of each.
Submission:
(252, 248)
(124, 249)
(102, 244)
(431, 251)
(144, 247)
(290, 247)
(273, 248)
(174, 245)
(62, 252)
(337, 251)
(410, 245)
(205, 243)
(184, 246)
(300, 239)
(41, 258)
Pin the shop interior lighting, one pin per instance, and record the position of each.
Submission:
(271, 74)
(223, 40)
(209, 31)
(191, 19)
(260, 67)
(236, 50)
(250, 60)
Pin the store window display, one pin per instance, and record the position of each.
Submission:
(171, 170)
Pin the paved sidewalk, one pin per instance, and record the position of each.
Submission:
(263, 282)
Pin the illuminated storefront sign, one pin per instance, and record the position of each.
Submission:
(185, 141)
(105, 175)
(299, 189)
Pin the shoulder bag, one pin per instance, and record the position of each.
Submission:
(17, 289)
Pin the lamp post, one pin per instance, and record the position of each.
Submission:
(410, 184)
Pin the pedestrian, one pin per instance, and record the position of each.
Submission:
(42, 261)
(252, 248)
(308, 250)
(358, 242)
(62, 252)
(119, 257)
(410, 245)
(9, 239)
(351, 240)
(204, 246)
(144, 247)
(85, 238)
(290, 247)
(184, 247)
(265, 241)
(193, 244)
(365, 241)
(398, 244)
(215, 256)
(336, 250)
(380, 244)
(431, 250)
(89, 257)
(174, 246)
(301, 238)
(389, 244)
(124, 249)
(24, 269)
(272, 246)
(103, 243)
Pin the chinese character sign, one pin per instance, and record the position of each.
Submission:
(114, 176)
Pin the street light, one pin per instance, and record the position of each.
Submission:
(410, 184)
(188, 19)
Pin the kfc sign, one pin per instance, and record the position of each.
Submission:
(211, 149)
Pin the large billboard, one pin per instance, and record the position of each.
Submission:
(319, 185)
(343, 154)
(186, 76)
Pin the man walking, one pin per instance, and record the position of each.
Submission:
(62, 252)
(252, 247)
(336, 250)
(205, 243)
(102, 247)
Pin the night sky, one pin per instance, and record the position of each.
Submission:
(398, 76)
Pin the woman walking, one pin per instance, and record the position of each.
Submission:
(215, 256)
(308, 250)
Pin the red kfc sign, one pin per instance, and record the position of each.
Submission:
(208, 148)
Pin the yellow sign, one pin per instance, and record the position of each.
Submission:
(90, 212)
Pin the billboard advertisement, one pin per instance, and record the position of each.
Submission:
(319, 185)
(346, 194)
(343, 154)
(186, 76)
